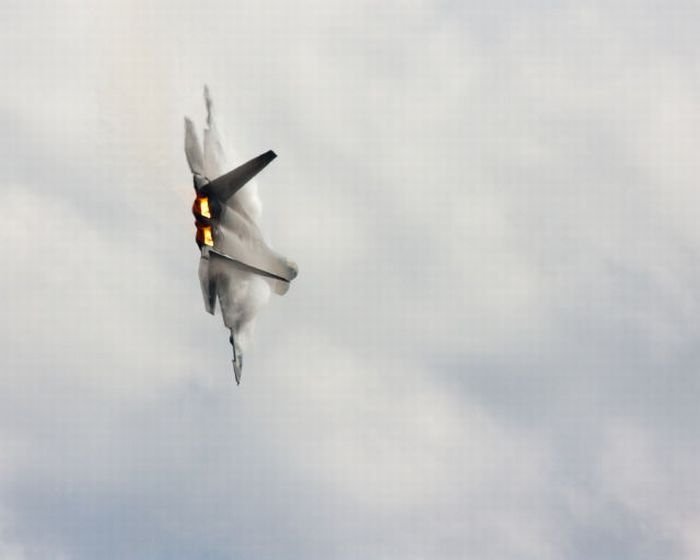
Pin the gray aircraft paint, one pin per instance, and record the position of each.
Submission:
(240, 268)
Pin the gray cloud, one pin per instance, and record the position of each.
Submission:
(490, 351)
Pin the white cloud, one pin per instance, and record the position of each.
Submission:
(492, 209)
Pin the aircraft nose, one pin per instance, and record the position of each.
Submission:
(237, 365)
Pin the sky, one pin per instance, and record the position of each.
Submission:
(491, 350)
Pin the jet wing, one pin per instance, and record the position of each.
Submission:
(255, 254)
(207, 282)
(212, 265)
(225, 186)
(221, 263)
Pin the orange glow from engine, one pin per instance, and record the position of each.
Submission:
(201, 205)
(204, 235)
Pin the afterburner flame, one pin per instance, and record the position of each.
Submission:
(201, 206)
(204, 235)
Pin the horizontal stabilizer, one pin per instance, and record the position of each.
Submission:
(193, 149)
(227, 185)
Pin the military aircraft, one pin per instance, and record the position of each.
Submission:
(237, 267)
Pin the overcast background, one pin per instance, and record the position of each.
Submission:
(492, 348)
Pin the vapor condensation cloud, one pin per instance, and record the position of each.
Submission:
(492, 350)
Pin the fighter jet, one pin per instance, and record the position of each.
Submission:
(237, 266)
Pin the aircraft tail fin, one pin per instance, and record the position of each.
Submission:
(230, 183)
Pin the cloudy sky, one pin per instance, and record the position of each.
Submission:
(492, 348)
